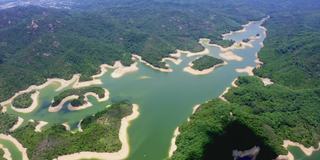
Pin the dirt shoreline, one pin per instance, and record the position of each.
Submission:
(17, 124)
(32, 107)
(173, 146)
(192, 71)
(176, 133)
(7, 154)
(123, 136)
(17, 144)
(248, 70)
(40, 125)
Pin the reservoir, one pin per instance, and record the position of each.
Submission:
(166, 99)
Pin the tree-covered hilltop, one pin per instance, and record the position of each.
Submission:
(292, 55)
(218, 128)
(100, 134)
(270, 114)
(23, 100)
(290, 114)
(288, 109)
(78, 92)
(205, 62)
(38, 43)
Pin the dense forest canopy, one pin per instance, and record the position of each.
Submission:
(100, 134)
(206, 62)
(286, 110)
(39, 43)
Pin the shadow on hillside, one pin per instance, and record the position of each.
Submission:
(236, 137)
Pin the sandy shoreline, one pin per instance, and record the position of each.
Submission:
(192, 71)
(66, 126)
(88, 104)
(258, 62)
(32, 107)
(105, 98)
(7, 154)
(17, 144)
(192, 54)
(74, 81)
(234, 32)
(248, 70)
(123, 136)
(195, 108)
(139, 58)
(103, 70)
(60, 105)
(230, 56)
(78, 108)
(266, 81)
(122, 70)
(233, 84)
(17, 124)
(223, 93)
(306, 151)
(173, 60)
(79, 84)
(289, 156)
(40, 125)
(173, 146)
(63, 83)
(79, 126)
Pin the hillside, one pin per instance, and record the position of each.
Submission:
(38, 43)
(286, 110)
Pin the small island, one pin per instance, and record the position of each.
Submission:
(23, 101)
(206, 62)
(78, 92)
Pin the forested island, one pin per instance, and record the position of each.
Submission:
(37, 43)
(99, 134)
(23, 100)
(206, 62)
(80, 92)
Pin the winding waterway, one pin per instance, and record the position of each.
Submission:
(165, 99)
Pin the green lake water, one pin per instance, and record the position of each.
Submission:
(165, 99)
(15, 154)
(299, 155)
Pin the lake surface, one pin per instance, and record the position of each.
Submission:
(165, 99)
(299, 155)
(15, 154)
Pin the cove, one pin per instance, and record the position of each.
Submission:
(299, 155)
(165, 99)
(15, 153)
